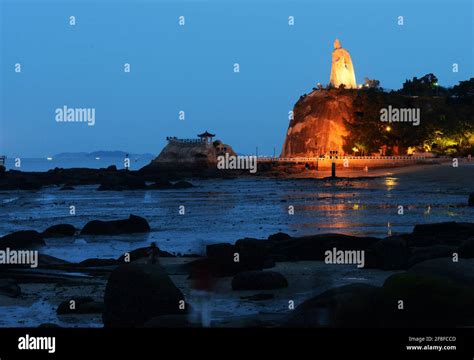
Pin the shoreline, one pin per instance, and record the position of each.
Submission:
(299, 260)
(113, 178)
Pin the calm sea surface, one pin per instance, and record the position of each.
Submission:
(227, 210)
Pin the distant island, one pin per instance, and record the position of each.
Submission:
(101, 154)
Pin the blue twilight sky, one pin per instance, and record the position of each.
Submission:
(190, 67)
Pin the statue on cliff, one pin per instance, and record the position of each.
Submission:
(342, 70)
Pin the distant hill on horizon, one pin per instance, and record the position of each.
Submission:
(102, 154)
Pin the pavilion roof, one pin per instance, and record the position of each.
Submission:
(206, 134)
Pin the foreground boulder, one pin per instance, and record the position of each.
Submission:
(461, 272)
(95, 262)
(420, 254)
(134, 224)
(80, 305)
(391, 253)
(136, 293)
(22, 240)
(466, 250)
(227, 259)
(9, 287)
(170, 321)
(279, 236)
(60, 230)
(143, 252)
(259, 280)
(428, 301)
(353, 306)
(314, 247)
(446, 233)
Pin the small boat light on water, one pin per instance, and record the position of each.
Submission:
(97, 158)
(49, 158)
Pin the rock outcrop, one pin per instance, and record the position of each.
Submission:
(136, 293)
(192, 153)
(348, 306)
(134, 224)
(60, 230)
(22, 240)
(318, 123)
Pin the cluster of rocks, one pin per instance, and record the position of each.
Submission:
(436, 287)
(31, 238)
(433, 293)
(108, 179)
(140, 184)
(398, 252)
(434, 283)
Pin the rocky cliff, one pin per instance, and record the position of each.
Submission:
(182, 156)
(318, 123)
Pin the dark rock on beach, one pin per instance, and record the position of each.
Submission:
(420, 254)
(428, 301)
(314, 247)
(470, 201)
(22, 239)
(94, 262)
(136, 293)
(447, 233)
(80, 305)
(254, 254)
(9, 287)
(29, 186)
(461, 272)
(259, 280)
(170, 321)
(279, 236)
(352, 306)
(134, 224)
(391, 253)
(182, 185)
(59, 230)
(466, 250)
(161, 185)
(143, 252)
(228, 259)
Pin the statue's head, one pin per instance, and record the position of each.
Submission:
(337, 44)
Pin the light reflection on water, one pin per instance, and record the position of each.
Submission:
(226, 210)
(391, 182)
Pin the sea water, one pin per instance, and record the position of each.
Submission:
(227, 210)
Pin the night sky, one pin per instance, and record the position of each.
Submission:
(191, 68)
